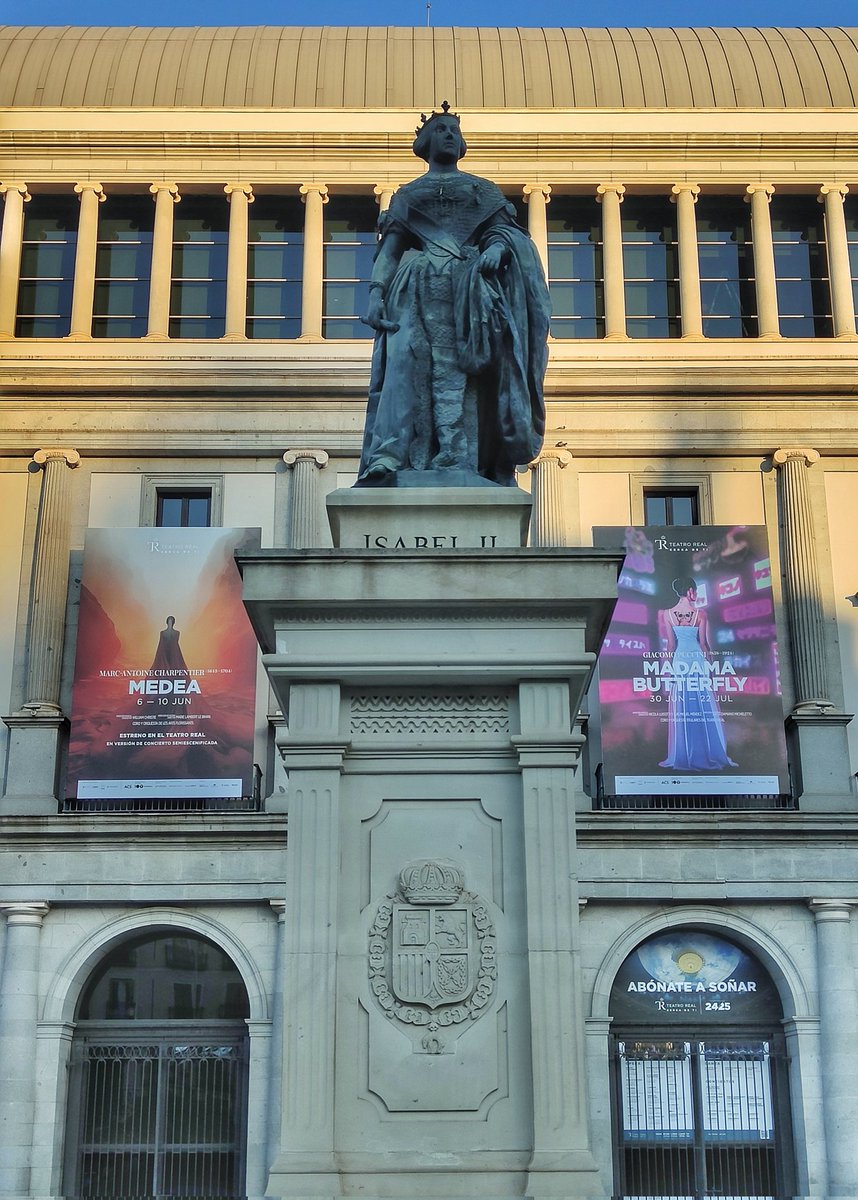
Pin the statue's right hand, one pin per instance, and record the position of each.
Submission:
(376, 316)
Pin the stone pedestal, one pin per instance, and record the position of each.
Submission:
(433, 1034)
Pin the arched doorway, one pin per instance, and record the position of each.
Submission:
(158, 1080)
(700, 1093)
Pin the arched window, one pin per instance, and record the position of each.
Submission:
(700, 1091)
(158, 1085)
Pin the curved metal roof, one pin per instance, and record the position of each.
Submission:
(357, 67)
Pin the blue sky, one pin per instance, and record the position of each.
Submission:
(413, 12)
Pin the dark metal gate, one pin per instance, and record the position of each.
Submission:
(160, 1117)
(699, 1118)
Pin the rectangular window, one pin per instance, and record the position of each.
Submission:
(671, 506)
(47, 266)
(575, 267)
(726, 255)
(275, 267)
(350, 241)
(198, 296)
(801, 267)
(190, 509)
(123, 266)
(651, 267)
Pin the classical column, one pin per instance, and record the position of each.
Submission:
(166, 195)
(315, 196)
(832, 195)
(305, 508)
(91, 195)
(537, 196)
(804, 601)
(19, 997)
(684, 196)
(548, 526)
(15, 196)
(610, 195)
(838, 1036)
(50, 582)
(240, 196)
(385, 193)
(547, 752)
(759, 195)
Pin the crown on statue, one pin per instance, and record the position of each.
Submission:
(443, 111)
(429, 882)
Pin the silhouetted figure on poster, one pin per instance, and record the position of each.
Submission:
(168, 656)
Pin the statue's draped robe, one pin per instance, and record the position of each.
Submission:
(497, 325)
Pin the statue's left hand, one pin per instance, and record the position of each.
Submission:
(492, 259)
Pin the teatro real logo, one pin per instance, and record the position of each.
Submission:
(432, 953)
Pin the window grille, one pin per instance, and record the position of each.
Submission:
(698, 1118)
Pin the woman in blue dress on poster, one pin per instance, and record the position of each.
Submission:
(696, 739)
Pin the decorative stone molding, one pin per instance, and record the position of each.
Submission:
(395, 713)
(432, 954)
(384, 193)
(20, 188)
(25, 912)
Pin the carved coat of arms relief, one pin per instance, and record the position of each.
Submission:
(432, 955)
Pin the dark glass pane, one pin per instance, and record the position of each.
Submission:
(351, 219)
(346, 299)
(51, 218)
(574, 262)
(170, 511)
(652, 299)
(719, 260)
(655, 509)
(577, 327)
(123, 260)
(45, 298)
(163, 962)
(273, 261)
(573, 299)
(348, 262)
(276, 219)
(720, 298)
(346, 328)
(197, 299)
(274, 300)
(126, 218)
(119, 327)
(121, 298)
(201, 219)
(279, 328)
(649, 262)
(46, 259)
(42, 327)
(199, 508)
(199, 262)
(795, 297)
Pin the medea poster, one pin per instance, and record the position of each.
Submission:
(689, 686)
(165, 675)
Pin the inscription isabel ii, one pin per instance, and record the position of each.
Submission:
(432, 952)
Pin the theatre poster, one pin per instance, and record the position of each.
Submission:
(689, 681)
(165, 675)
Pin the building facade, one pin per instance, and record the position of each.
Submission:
(187, 234)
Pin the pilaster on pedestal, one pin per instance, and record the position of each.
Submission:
(429, 671)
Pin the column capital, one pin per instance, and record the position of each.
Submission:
(782, 456)
(382, 189)
(15, 186)
(172, 189)
(89, 185)
(766, 188)
(548, 454)
(831, 910)
(319, 189)
(246, 189)
(544, 190)
(28, 912)
(320, 457)
(833, 189)
(41, 457)
(279, 908)
(679, 188)
(617, 189)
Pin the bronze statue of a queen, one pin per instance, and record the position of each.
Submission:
(460, 307)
